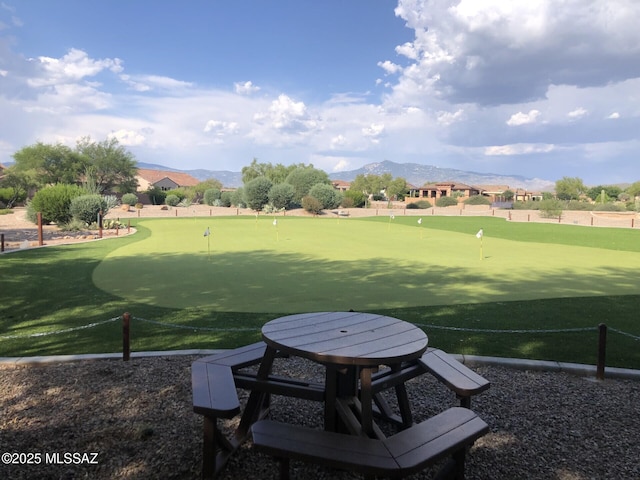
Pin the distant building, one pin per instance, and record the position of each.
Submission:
(433, 191)
(164, 180)
(341, 185)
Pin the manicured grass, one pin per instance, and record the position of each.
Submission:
(430, 274)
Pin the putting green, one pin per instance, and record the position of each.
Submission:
(314, 264)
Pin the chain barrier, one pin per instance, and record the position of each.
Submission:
(635, 337)
(486, 330)
(205, 329)
(250, 329)
(56, 332)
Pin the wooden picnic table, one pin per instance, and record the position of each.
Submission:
(351, 345)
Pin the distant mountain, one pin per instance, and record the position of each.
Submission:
(418, 175)
(414, 173)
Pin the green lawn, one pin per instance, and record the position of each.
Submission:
(216, 291)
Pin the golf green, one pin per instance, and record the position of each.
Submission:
(299, 264)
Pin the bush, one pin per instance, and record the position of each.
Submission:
(281, 195)
(53, 202)
(129, 199)
(528, 205)
(110, 201)
(86, 208)
(225, 199)
(172, 200)
(237, 198)
(551, 208)
(353, 198)
(477, 200)
(211, 195)
(311, 205)
(578, 205)
(446, 202)
(256, 192)
(157, 196)
(420, 204)
(328, 196)
(609, 207)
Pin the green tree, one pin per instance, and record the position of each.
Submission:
(634, 189)
(114, 167)
(508, 195)
(50, 164)
(311, 204)
(276, 173)
(256, 192)
(328, 196)
(303, 178)
(570, 188)
(551, 208)
(211, 195)
(281, 195)
(17, 184)
(396, 188)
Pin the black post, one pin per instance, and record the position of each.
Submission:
(602, 350)
(126, 322)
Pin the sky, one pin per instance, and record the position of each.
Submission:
(539, 88)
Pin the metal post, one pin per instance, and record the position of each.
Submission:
(100, 224)
(126, 322)
(1, 242)
(602, 350)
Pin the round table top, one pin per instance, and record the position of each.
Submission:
(346, 338)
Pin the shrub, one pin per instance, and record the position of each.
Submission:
(328, 196)
(139, 206)
(578, 205)
(353, 198)
(477, 200)
(129, 199)
(311, 205)
(86, 208)
(225, 199)
(53, 202)
(446, 202)
(74, 225)
(110, 201)
(237, 198)
(609, 207)
(421, 204)
(281, 195)
(211, 195)
(377, 197)
(157, 196)
(172, 200)
(256, 192)
(551, 208)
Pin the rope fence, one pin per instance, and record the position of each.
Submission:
(127, 317)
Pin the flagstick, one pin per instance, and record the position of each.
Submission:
(209, 246)
(481, 255)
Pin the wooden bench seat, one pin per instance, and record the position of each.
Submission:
(459, 378)
(447, 434)
(215, 396)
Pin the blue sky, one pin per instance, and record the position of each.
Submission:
(542, 89)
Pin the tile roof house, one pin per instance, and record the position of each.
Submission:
(163, 180)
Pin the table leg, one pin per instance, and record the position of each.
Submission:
(366, 401)
(257, 400)
(403, 401)
(331, 393)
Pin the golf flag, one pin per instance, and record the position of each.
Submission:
(420, 221)
(480, 234)
(207, 232)
(275, 222)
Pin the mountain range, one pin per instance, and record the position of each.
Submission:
(414, 173)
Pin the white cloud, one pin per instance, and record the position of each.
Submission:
(338, 141)
(145, 83)
(286, 115)
(71, 68)
(449, 118)
(245, 88)
(614, 116)
(517, 149)
(523, 118)
(374, 131)
(128, 138)
(577, 113)
(389, 67)
(221, 128)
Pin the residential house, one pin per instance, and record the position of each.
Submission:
(433, 191)
(163, 180)
(341, 185)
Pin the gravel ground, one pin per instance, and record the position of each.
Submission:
(137, 416)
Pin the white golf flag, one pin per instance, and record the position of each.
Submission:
(392, 216)
(275, 222)
(420, 221)
(207, 232)
(479, 234)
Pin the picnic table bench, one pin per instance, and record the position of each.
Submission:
(447, 434)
